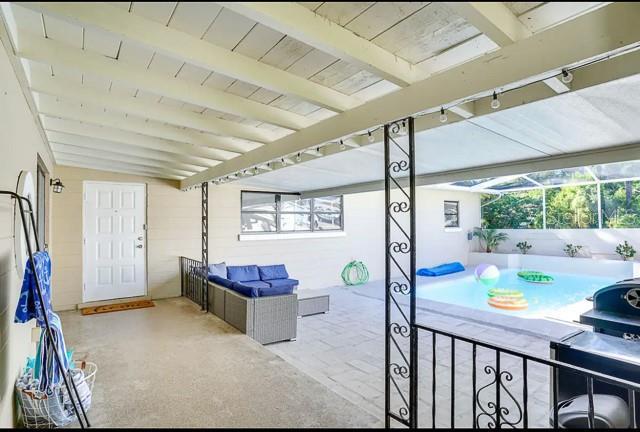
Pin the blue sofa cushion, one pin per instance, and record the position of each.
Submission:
(218, 269)
(275, 290)
(283, 283)
(256, 284)
(278, 271)
(220, 281)
(245, 290)
(243, 273)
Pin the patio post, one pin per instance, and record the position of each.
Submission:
(205, 247)
(401, 337)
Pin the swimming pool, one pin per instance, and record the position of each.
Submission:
(567, 289)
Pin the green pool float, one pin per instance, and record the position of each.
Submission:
(535, 277)
(504, 292)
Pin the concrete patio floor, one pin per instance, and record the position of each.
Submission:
(173, 366)
(344, 350)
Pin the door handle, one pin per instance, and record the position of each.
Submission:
(140, 238)
(139, 246)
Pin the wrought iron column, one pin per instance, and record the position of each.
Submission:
(401, 367)
(205, 247)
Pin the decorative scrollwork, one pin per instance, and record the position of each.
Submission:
(399, 166)
(490, 412)
(400, 329)
(400, 288)
(400, 207)
(400, 370)
(395, 127)
(404, 413)
(400, 247)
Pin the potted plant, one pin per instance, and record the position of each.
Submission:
(572, 250)
(524, 247)
(626, 251)
(490, 237)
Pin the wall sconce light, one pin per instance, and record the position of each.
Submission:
(57, 185)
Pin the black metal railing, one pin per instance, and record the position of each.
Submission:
(191, 284)
(500, 382)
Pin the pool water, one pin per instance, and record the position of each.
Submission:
(567, 289)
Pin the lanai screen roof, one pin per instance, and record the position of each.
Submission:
(592, 174)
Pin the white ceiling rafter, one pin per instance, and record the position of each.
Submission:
(227, 147)
(109, 154)
(107, 165)
(497, 22)
(314, 30)
(61, 55)
(204, 155)
(598, 33)
(195, 51)
(113, 168)
(146, 109)
(62, 136)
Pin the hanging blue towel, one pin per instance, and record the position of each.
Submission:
(29, 307)
(441, 270)
(29, 303)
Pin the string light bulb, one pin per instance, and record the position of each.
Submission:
(495, 102)
(255, 171)
(567, 76)
(443, 115)
(342, 146)
(283, 162)
(298, 158)
(370, 136)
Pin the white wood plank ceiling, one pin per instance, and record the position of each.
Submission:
(174, 89)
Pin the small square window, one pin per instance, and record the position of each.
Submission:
(452, 214)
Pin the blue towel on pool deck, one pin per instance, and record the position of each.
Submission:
(442, 269)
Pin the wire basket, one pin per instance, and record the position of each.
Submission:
(52, 409)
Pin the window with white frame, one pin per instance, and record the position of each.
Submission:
(452, 214)
(269, 212)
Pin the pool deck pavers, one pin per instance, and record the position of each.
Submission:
(344, 350)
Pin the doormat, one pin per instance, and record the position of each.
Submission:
(139, 304)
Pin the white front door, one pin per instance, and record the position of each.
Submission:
(114, 241)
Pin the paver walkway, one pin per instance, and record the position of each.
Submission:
(344, 350)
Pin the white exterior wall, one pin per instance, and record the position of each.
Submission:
(597, 243)
(20, 145)
(435, 244)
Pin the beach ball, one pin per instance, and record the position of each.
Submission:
(487, 275)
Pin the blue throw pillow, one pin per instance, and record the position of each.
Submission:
(278, 271)
(243, 273)
(218, 269)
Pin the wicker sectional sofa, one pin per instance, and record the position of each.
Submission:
(264, 309)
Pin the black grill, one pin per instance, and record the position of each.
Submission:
(616, 310)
